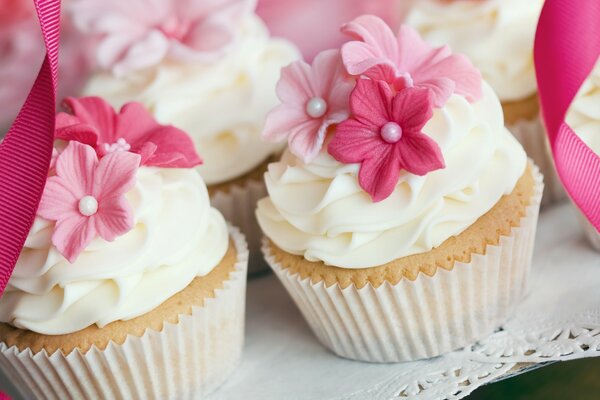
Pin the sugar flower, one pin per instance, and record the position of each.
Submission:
(313, 98)
(406, 60)
(86, 197)
(385, 136)
(94, 122)
(136, 34)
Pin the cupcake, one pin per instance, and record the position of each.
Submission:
(209, 69)
(130, 284)
(402, 220)
(584, 118)
(498, 36)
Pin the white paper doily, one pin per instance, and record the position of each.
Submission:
(559, 320)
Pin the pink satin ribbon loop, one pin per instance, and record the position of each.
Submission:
(26, 151)
(567, 46)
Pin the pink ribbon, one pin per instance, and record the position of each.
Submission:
(567, 46)
(26, 151)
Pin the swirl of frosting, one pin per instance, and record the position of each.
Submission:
(177, 236)
(318, 210)
(222, 105)
(497, 35)
(584, 115)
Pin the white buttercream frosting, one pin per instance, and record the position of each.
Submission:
(318, 210)
(177, 236)
(497, 35)
(584, 114)
(222, 105)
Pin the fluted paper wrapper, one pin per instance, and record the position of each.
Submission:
(185, 360)
(238, 205)
(532, 136)
(426, 317)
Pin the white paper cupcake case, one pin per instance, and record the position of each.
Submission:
(186, 360)
(238, 205)
(426, 317)
(532, 136)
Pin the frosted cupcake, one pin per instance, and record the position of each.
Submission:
(584, 118)
(498, 36)
(129, 284)
(209, 68)
(401, 219)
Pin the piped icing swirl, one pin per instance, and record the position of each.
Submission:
(584, 114)
(221, 104)
(318, 209)
(497, 35)
(176, 237)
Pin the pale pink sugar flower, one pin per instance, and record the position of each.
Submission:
(313, 98)
(86, 197)
(406, 60)
(137, 34)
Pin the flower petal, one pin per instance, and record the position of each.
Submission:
(454, 67)
(440, 88)
(326, 70)
(306, 139)
(420, 154)
(354, 142)
(281, 120)
(370, 103)
(96, 113)
(72, 235)
(295, 85)
(173, 148)
(114, 218)
(377, 36)
(412, 108)
(379, 174)
(69, 127)
(58, 200)
(115, 174)
(75, 167)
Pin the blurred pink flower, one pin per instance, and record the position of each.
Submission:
(86, 197)
(406, 60)
(313, 98)
(22, 53)
(314, 25)
(94, 122)
(136, 34)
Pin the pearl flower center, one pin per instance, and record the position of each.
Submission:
(391, 132)
(316, 107)
(120, 145)
(88, 206)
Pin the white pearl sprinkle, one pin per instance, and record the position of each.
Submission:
(88, 206)
(391, 132)
(316, 107)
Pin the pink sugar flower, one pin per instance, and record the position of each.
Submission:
(313, 98)
(137, 34)
(95, 122)
(407, 60)
(86, 197)
(385, 136)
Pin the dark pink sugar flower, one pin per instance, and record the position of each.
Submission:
(94, 122)
(86, 197)
(406, 60)
(385, 136)
(313, 97)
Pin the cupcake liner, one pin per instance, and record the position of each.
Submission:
(591, 233)
(426, 317)
(238, 205)
(185, 360)
(532, 136)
